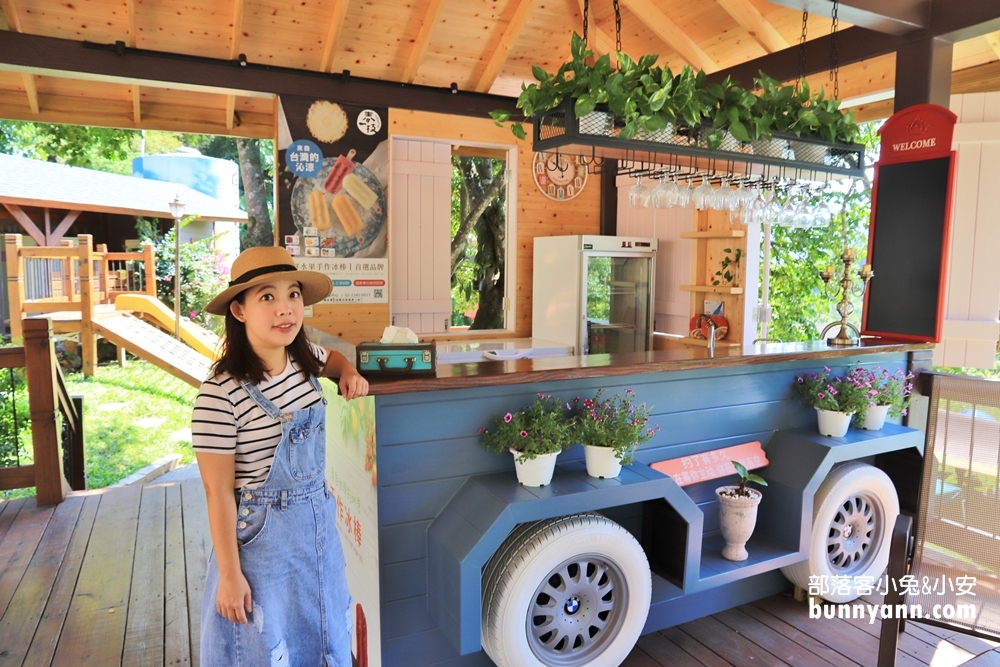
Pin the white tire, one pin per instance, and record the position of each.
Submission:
(853, 514)
(568, 591)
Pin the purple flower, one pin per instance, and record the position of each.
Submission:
(507, 417)
(524, 434)
(873, 392)
(649, 431)
(904, 411)
(541, 395)
(833, 392)
(826, 369)
(568, 406)
(799, 379)
(629, 392)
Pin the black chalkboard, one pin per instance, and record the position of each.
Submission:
(906, 246)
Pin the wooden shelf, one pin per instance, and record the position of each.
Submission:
(699, 342)
(716, 289)
(722, 234)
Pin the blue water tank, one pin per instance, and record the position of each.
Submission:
(211, 176)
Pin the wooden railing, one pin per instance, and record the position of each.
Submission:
(56, 420)
(73, 279)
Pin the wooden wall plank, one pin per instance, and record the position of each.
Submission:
(144, 627)
(20, 621)
(94, 632)
(50, 627)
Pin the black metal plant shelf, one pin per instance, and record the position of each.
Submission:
(595, 136)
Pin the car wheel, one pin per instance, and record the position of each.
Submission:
(853, 514)
(563, 592)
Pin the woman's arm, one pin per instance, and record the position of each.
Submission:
(352, 385)
(218, 472)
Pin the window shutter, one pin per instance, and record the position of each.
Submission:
(420, 236)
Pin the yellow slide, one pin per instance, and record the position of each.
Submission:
(200, 338)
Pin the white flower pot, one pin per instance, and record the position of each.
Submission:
(875, 418)
(601, 462)
(833, 424)
(537, 471)
(737, 518)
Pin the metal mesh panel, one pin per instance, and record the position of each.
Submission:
(957, 554)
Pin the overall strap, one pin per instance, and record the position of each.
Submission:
(265, 404)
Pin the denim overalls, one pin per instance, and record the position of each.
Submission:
(291, 556)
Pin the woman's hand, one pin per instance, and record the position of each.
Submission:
(352, 385)
(233, 600)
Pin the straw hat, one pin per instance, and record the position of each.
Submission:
(259, 265)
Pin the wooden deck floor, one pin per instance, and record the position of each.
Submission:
(115, 577)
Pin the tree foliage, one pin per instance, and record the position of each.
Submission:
(800, 308)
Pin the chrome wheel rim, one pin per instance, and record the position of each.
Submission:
(855, 533)
(577, 611)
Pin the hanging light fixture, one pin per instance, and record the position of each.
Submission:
(596, 140)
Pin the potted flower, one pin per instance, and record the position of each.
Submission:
(889, 395)
(738, 512)
(610, 429)
(534, 435)
(836, 399)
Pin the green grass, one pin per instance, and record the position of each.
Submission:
(131, 417)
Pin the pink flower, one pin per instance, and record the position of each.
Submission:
(507, 417)
(524, 434)
(589, 403)
(482, 430)
(569, 407)
(541, 395)
(826, 369)
(820, 395)
(629, 392)
(833, 392)
(799, 379)
(873, 392)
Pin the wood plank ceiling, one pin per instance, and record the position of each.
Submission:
(481, 45)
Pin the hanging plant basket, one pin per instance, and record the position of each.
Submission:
(596, 135)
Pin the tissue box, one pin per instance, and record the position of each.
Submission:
(391, 359)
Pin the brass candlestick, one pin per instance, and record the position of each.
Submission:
(845, 307)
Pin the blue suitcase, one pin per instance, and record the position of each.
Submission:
(396, 359)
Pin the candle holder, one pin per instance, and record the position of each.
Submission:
(847, 289)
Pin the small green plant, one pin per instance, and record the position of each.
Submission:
(727, 275)
(835, 393)
(746, 477)
(615, 422)
(543, 427)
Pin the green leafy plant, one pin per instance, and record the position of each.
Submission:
(746, 477)
(615, 422)
(543, 427)
(640, 96)
(730, 267)
(834, 393)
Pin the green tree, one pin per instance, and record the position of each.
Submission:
(800, 307)
(76, 145)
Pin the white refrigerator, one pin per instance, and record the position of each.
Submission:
(594, 292)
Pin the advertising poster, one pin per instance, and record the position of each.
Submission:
(352, 474)
(333, 193)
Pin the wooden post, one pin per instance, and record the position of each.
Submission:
(78, 468)
(100, 279)
(15, 284)
(88, 340)
(39, 358)
(149, 267)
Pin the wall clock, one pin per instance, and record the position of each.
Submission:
(559, 177)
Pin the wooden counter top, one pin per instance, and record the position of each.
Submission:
(522, 371)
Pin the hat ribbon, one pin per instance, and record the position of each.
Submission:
(253, 273)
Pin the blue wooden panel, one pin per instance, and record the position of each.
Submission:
(434, 459)
(402, 617)
(404, 541)
(403, 580)
(406, 503)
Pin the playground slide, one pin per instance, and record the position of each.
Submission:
(154, 345)
(201, 339)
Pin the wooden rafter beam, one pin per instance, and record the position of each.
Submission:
(237, 29)
(63, 226)
(32, 91)
(420, 43)
(230, 109)
(136, 104)
(754, 22)
(10, 14)
(671, 34)
(993, 39)
(333, 33)
(26, 222)
(502, 50)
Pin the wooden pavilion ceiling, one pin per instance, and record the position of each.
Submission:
(481, 45)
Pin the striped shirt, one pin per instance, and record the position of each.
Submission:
(227, 421)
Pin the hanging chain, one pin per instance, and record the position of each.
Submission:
(586, 12)
(835, 51)
(802, 48)
(618, 26)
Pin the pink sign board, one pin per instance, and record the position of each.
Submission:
(714, 464)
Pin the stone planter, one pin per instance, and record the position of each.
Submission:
(737, 518)
(833, 424)
(875, 418)
(537, 471)
(601, 462)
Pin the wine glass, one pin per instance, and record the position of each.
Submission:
(717, 201)
(702, 193)
(685, 194)
(638, 195)
(660, 195)
(673, 192)
(772, 212)
(822, 215)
